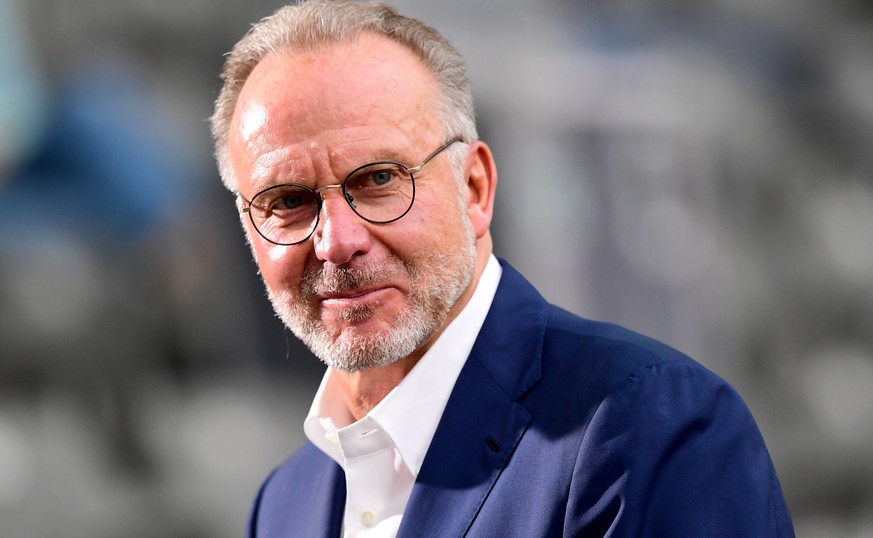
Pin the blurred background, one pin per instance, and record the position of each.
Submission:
(700, 171)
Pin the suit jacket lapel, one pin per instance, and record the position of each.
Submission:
(304, 499)
(482, 422)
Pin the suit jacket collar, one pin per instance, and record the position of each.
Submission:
(482, 422)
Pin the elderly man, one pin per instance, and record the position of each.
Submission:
(456, 401)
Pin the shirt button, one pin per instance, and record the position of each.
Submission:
(331, 437)
(368, 518)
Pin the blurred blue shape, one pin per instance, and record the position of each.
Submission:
(21, 91)
(102, 167)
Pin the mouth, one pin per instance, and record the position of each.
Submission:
(353, 298)
(352, 293)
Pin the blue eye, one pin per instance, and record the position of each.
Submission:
(382, 177)
(286, 201)
(290, 202)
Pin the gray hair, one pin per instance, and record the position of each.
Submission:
(314, 23)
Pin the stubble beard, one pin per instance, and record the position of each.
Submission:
(436, 280)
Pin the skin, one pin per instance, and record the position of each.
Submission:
(312, 117)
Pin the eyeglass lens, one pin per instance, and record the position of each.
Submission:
(288, 214)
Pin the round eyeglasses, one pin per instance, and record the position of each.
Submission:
(379, 192)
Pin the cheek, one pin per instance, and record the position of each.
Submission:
(438, 226)
(281, 266)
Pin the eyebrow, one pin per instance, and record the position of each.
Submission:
(388, 154)
(385, 155)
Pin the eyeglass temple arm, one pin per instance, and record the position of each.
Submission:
(435, 153)
(245, 208)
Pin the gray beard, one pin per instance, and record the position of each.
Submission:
(436, 283)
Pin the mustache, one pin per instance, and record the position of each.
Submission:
(329, 278)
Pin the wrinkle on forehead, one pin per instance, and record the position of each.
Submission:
(315, 161)
(284, 163)
(313, 118)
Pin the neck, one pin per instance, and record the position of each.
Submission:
(363, 390)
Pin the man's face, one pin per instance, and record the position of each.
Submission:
(360, 295)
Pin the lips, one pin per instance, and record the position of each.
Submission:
(351, 298)
(348, 294)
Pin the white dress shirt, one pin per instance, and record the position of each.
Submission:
(382, 453)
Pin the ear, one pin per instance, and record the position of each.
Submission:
(482, 184)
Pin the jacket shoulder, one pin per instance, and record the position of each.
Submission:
(610, 353)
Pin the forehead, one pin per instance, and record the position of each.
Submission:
(371, 81)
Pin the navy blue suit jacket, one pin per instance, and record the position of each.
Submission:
(559, 426)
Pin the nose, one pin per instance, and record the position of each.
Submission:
(341, 234)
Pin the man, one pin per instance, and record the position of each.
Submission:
(456, 400)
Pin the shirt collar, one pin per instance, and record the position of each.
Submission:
(411, 412)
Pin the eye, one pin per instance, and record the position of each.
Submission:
(285, 201)
(377, 177)
(289, 201)
(381, 177)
